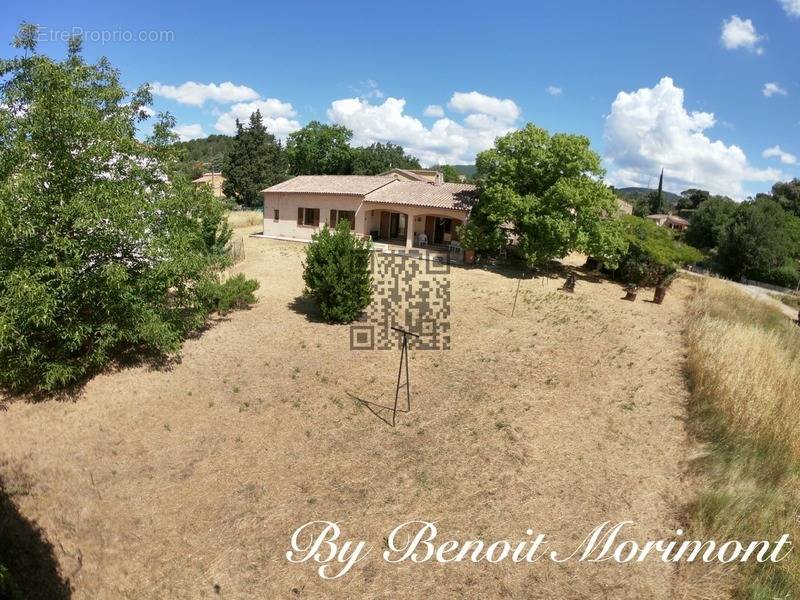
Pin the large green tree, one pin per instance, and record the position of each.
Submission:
(450, 174)
(787, 194)
(709, 222)
(692, 199)
(653, 255)
(256, 160)
(104, 246)
(547, 190)
(377, 158)
(319, 149)
(760, 242)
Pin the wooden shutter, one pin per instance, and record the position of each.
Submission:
(316, 217)
(334, 219)
(299, 216)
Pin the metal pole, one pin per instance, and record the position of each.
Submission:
(513, 308)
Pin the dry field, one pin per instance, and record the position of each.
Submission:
(188, 482)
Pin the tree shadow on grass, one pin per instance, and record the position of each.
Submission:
(121, 360)
(303, 305)
(28, 555)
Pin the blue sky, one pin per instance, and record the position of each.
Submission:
(680, 85)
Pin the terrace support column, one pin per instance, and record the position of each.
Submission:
(409, 231)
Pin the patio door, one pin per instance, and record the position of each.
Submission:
(430, 229)
(386, 223)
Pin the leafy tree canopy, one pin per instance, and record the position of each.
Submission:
(319, 149)
(787, 194)
(450, 174)
(692, 198)
(377, 158)
(103, 244)
(709, 221)
(760, 242)
(548, 191)
(653, 254)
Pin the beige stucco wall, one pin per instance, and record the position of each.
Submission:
(287, 205)
(367, 214)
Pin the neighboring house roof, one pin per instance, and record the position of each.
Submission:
(677, 220)
(673, 219)
(455, 196)
(208, 177)
(426, 175)
(357, 185)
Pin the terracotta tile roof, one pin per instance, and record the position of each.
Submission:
(457, 196)
(677, 220)
(331, 184)
(206, 177)
(428, 175)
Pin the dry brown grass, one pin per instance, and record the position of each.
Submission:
(244, 218)
(168, 483)
(745, 367)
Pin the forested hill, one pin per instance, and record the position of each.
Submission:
(204, 154)
(634, 194)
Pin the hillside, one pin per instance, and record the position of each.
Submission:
(468, 170)
(633, 194)
(209, 151)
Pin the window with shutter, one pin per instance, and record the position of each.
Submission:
(334, 218)
(300, 213)
(316, 217)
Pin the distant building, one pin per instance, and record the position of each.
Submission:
(624, 208)
(669, 221)
(215, 180)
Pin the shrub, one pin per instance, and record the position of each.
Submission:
(785, 276)
(337, 273)
(654, 255)
(236, 292)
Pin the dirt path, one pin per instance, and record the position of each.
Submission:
(169, 483)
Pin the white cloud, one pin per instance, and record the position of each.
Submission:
(446, 141)
(433, 110)
(554, 90)
(277, 116)
(777, 152)
(741, 33)
(792, 7)
(371, 89)
(650, 128)
(190, 132)
(474, 102)
(196, 94)
(770, 89)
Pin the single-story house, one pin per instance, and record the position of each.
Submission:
(670, 221)
(400, 208)
(214, 180)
